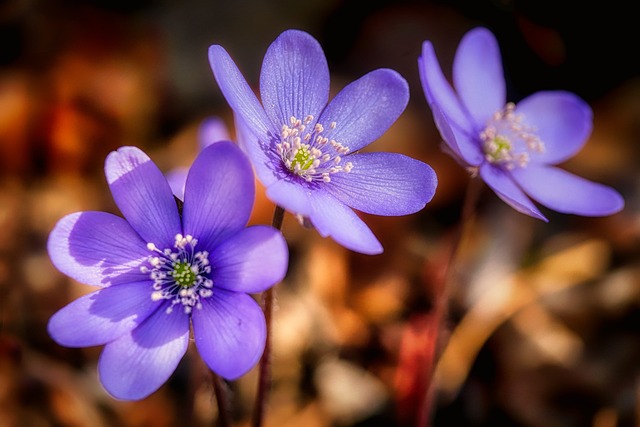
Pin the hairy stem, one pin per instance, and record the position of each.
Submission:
(221, 392)
(441, 294)
(264, 376)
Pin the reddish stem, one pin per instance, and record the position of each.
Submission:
(264, 376)
(441, 299)
(222, 399)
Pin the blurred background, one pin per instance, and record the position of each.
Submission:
(541, 320)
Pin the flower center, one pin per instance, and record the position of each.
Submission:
(311, 155)
(183, 275)
(179, 274)
(303, 159)
(508, 141)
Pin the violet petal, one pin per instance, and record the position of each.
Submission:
(463, 145)
(102, 316)
(438, 90)
(212, 130)
(143, 195)
(478, 76)
(294, 81)
(250, 261)
(384, 184)
(229, 332)
(567, 193)
(97, 248)
(292, 196)
(260, 150)
(333, 218)
(237, 91)
(562, 121)
(138, 363)
(504, 187)
(366, 108)
(219, 193)
(177, 179)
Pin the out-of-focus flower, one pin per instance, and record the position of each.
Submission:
(513, 147)
(305, 152)
(160, 270)
(211, 130)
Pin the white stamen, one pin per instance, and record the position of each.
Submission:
(508, 141)
(180, 274)
(312, 156)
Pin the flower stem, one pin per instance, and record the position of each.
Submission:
(221, 392)
(278, 217)
(441, 295)
(264, 378)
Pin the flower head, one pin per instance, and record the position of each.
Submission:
(160, 271)
(305, 150)
(513, 147)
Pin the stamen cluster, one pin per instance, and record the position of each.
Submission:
(508, 141)
(179, 274)
(312, 155)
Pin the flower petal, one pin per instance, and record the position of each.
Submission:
(219, 193)
(366, 108)
(177, 178)
(138, 363)
(250, 261)
(260, 151)
(439, 92)
(237, 92)
(229, 332)
(97, 248)
(478, 76)
(464, 148)
(212, 130)
(291, 196)
(294, 80)
(332, 218)
(102, 316)
(143, 195)
(567, 193)
(508, 191)
(384, 184)
(563, 122)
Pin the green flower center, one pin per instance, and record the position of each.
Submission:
(498, 148)
(183, 274)
(302, 160)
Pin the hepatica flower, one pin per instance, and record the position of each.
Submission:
(160, 272)
(305, 151)
(513, 147)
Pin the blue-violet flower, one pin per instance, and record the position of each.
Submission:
(512, 147)
(305, 152)
(160, 271)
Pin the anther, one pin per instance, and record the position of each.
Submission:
(508, 141)
(313, 156)
(179, 275)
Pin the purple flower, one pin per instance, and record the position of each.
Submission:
(211, 130)
(158, 271)
(513, 148)
(305, 152)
